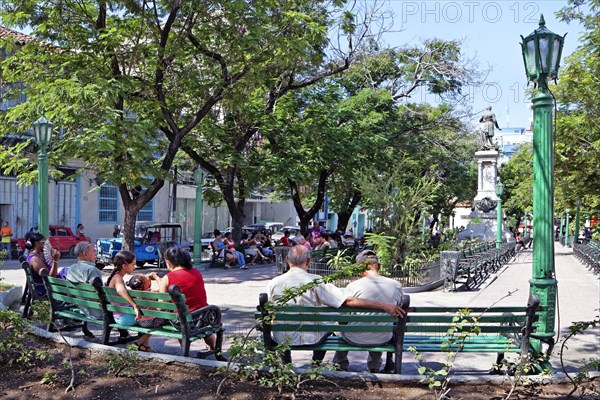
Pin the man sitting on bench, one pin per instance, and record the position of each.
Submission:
(371, 286)
(325, 294)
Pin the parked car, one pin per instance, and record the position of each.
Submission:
(294, 230)
(61, 238)
(151, 239)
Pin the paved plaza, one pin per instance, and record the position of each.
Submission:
(236, 291)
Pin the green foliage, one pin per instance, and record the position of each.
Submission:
(49, 378)
(15, 349)
(577, 94)
(383, 246)
(517, 199)
(266, 367)
(125, 363)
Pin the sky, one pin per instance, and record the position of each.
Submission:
(491, 33)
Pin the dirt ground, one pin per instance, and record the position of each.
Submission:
(94, 379)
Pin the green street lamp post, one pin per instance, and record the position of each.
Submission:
(42, 129)
(576, 237)
(499, 193)
(567, 211)
(199, 181)
(541, 54)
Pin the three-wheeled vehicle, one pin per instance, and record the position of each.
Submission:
(151, 240)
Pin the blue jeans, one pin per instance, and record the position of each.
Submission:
(241, 259)
(5, 250)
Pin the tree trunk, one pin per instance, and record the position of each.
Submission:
(344, 215)
(306, 216)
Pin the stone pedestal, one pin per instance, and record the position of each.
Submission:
(483, 213)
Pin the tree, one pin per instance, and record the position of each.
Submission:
(578, 99)
(517, 177)
(356, 123)
(128, 82)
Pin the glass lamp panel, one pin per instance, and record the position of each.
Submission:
(531, 68)
(556, 54)
(544, 50)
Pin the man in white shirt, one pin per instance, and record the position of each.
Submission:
(325, 294)
(371, 286)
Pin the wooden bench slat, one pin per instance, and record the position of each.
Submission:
(480, 319)
(445, 328)
(78, 302)
(168, 315)
(335, 317)
(331, 328)
(145, 303)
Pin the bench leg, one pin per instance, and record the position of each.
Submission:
(219, 347)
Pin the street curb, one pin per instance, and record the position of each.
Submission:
(557, 377)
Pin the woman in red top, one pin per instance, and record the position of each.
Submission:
(189, 279)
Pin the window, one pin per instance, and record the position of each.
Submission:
(62, 232)
(108, 204)
(147, 212)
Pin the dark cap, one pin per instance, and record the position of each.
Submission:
(366, 254)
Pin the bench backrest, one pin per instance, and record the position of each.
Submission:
(292, 318)
(168, 306)
(500, 320)
(83, 295)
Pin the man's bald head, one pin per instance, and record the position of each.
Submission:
(298, 256)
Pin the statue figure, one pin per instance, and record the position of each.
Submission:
(489, 122)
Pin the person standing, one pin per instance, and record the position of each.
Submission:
(316, 232)
(375, 287)
(80, 230)
(6, 233)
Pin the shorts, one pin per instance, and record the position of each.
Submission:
(126, 319)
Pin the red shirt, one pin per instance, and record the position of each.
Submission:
(285, 241)
(191, 284)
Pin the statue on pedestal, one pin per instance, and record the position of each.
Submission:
(487, 133)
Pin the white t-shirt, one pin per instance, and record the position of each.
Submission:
(325, 294)
(376, 288)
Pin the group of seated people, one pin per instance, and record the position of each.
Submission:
(371, 291)
(179, 264)
(257, 248)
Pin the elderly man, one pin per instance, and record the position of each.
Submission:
(325, 294)
(84, 270)
(371, 286)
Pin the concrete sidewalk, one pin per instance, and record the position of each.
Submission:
(236, 291)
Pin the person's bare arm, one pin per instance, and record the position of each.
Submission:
(392, 309)
(122, 290)
(164, 284)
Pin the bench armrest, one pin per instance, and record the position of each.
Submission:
(206, 316)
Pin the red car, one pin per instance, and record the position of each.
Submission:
(62, 238)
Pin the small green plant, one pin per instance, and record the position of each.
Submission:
(267, 367)
(124, 363)
(49, 378)
(462, 327)
(14, 330)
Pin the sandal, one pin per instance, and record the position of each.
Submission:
(144, 348)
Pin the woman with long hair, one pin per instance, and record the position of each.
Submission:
(183, 274)
(125, 264)
(35, 244)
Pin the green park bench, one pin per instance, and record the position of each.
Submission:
(344, 319)
(424, 329)
(179, 322)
